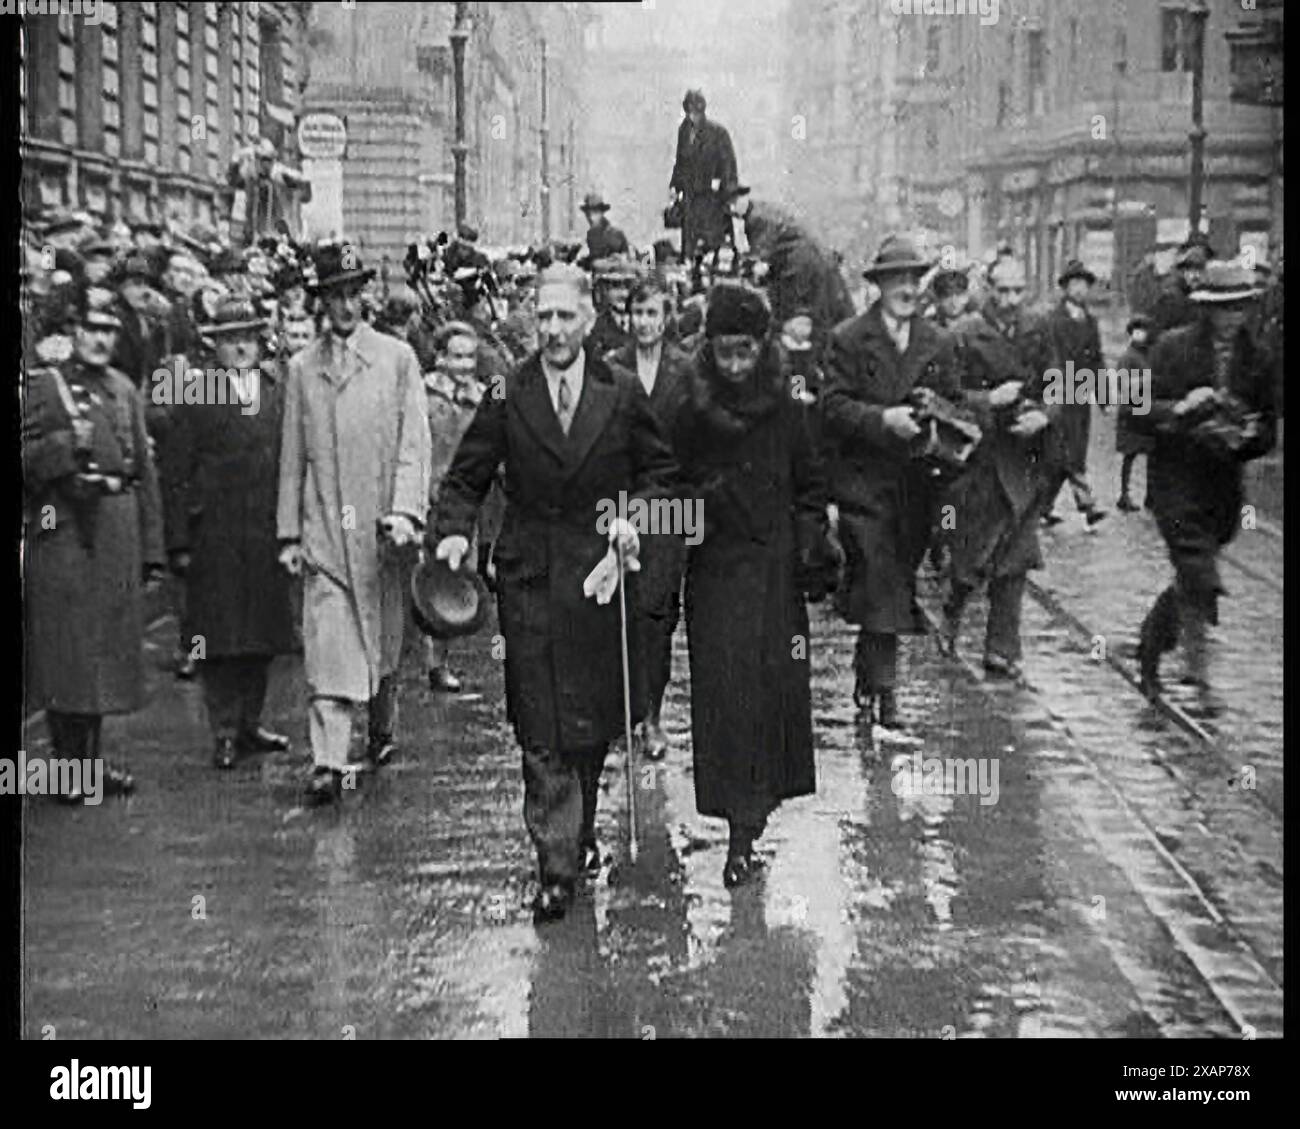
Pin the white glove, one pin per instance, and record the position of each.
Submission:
(1005, 394)
(1031, 423)
(622, 531)
(452, 550)
(900, 422)
(602, 581)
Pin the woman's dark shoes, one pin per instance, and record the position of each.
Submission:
(552, 902)
(381, 749)
(225, 754)
(442, 681)
(325, 786)
(259, 740)
(1126, 504)
(1051, 519)
(589, 858)
(117, 781)
(1093, 514)
(995, 666)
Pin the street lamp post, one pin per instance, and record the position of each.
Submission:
(459, 150)
(1197, 14)
(546, 155)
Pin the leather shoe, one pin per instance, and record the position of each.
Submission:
(552, 902)
(589, 858)
(442, 681)
(381, 749)
(324, 787)
(226, 754)
(1092, 515)
(117, 781)
(1052, 519)
(259, 740)
(995, 666)
(1126, 504)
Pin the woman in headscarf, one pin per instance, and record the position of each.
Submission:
(747, 458)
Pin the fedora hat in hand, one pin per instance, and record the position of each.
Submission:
(447, 604)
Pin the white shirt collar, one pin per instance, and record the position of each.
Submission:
(899, 330)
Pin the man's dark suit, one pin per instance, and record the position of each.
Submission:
(563, 668)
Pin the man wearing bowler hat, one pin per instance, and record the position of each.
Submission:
(886, 498)
(220, 459)
(572, 434)
(603, 238)
(93, 537)
(354, 489)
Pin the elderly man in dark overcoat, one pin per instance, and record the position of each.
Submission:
(572, 434)
(886, 497)
(1194, 475)
(93, 537)
(704, 175)
(221, 460)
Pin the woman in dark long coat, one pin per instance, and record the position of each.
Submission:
(743, 444)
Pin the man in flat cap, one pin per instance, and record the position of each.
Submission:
(93, 538)
(572, 433)
(354, 489)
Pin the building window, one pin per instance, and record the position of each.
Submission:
(1004, 102)
(1176, 46)
(1037, 71)
(932, 137)
(932, 42)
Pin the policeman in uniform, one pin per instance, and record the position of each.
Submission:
(93, 538)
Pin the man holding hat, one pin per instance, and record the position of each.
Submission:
(1212, 410)
(93, 537)
(354, 489)
(886, 498)
(603, 238)
(572, 434)
(997, 503)
(220, 460)
(704, 175)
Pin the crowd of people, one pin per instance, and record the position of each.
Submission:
(474, 418)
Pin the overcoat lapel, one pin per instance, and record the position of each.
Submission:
(536, 411)
(595, 406)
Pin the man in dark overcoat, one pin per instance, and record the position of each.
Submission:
(603, 238)
(661, 370)
(704, 175)
(1071, 335)
(93, 538)
(993, 536)
(221, 460)
(885, 496)
(1194, 479)
(572, 434)
(1174, 306)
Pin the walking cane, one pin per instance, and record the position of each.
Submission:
(627, 705)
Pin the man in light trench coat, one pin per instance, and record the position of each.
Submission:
(354, 488)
